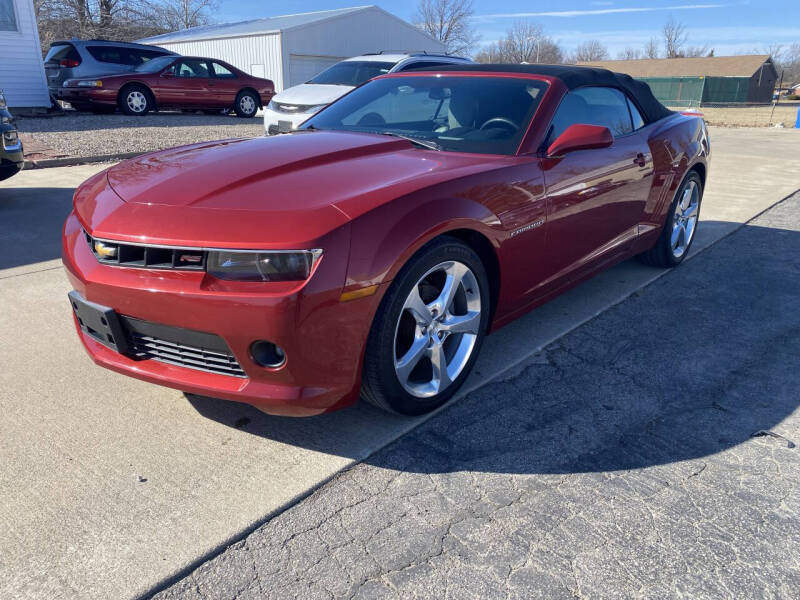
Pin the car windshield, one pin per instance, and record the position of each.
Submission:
(352, 72)
(486, 115)
(155, 65)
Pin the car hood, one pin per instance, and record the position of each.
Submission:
(282, 189)
(312, 94)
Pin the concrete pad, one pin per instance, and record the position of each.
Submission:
(110, 487)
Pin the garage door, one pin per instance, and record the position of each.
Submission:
(302, 68)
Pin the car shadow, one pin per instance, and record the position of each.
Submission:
(697, 363)
(32, 220)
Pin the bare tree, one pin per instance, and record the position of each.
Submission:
(675, 37)
(525, 42)
(183, 14)
(651, 49)
(697, 51)
(590, 50)
(629, 54)
(447, 21)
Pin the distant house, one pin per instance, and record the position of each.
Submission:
(22, 77)
(695, 81)
(291, 49)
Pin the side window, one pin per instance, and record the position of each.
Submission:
(593, 106)
(109, 54)
(222, 72)
(638, 121)
(192, 68)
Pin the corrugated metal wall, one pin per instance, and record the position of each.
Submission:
(259, 55)
(21, 69)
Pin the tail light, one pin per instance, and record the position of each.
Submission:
(68, 63)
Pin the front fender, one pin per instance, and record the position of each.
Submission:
(385, 238)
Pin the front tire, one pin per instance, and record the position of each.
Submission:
(135, 100)
(246, 105)
(678, 232)
(428, 330)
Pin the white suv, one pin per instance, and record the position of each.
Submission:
(296, 104)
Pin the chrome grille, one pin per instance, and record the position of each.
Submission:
(142, 256)
(291, 108)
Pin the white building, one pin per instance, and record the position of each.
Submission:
(292, 49)
(22, 77)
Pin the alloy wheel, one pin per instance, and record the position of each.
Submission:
(247, 104)
(437, 329)
(684, 219)
(136, 101)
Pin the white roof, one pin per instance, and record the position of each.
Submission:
(252, 27)
(392, 58)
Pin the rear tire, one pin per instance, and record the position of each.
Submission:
(680, 226)
(425, 338)
(246, 105)
(135, 100)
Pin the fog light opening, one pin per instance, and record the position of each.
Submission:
(267, 354)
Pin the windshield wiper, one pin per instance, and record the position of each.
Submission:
(429, 144)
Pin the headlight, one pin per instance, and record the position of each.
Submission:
(287, 265)
(93, 83)
(271, 105)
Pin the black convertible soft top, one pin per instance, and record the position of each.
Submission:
(575, 77)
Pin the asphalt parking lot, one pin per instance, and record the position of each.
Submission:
(112, 487)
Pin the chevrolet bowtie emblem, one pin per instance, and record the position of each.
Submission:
(105, 250)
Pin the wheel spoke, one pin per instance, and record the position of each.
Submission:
(676, 236)
(455, 273)
(468, 323)
(441, 379)
(418, 309)
(409, 360)
(691, 210)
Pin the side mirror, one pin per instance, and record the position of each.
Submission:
(581, 137)
(167, 74)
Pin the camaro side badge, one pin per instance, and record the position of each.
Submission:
(533, 225)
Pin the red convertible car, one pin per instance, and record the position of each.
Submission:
(369, 253)
(183, 82)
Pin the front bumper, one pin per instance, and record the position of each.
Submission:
(323, 338)
(280, 122)
(11, 156)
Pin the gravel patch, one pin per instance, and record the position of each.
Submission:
(90, 135)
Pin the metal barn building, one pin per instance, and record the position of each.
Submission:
(697, 81)
(292, 49)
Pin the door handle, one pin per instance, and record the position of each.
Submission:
(640, 160)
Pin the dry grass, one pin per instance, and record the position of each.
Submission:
(751, 116)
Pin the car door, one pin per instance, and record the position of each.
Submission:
(185, 84)
(596, 197)
(224, 85)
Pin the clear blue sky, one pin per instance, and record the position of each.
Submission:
(726, 26)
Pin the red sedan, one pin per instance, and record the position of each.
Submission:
(370, 253)
(171, 82)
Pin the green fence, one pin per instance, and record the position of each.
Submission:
(677, 91)
(694, 91)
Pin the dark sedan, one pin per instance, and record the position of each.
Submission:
(11, 159)
(171, 82)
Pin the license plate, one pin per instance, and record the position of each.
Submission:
(101, 323)
(285, 126)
